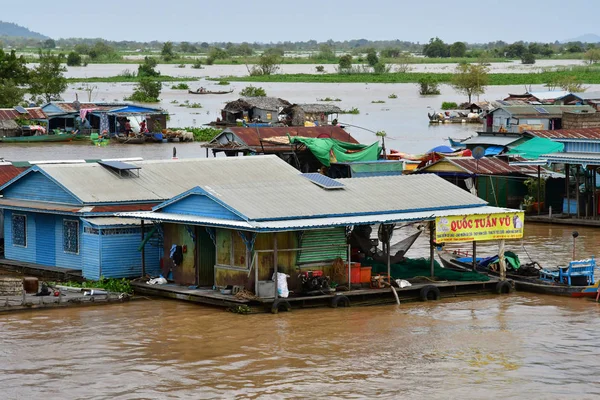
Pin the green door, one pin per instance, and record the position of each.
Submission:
(206, 258)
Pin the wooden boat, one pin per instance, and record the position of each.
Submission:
(456, 143)
(141, 139)
(209, 92)
(524, 283)
(154, 137)
(61, 137)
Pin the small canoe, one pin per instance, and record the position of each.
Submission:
(209, 92)
(131, 140)
(60, 137)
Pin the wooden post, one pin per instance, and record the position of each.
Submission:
(389, 261)
(474, 255)
(143, 252)
(594, 205)
(275, 260)
(255, 263)
(501, 260)
(539, 189)
(431, 241)
(567, 187)
(349, 267)
(577, 191)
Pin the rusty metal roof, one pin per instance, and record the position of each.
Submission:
(32, 113)
(583, 134)
(251, 137)
(8, 172)
(487, 166)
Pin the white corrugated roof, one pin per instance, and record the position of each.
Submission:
(261, 187)
(316, 222)
(113, 221)
(550, 94)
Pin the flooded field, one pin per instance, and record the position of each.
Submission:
(517, 346)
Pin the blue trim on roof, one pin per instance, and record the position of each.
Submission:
(133, 109)
(200, 192)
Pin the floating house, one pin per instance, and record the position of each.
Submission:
(276, 140)
(516, 119)
(310, 114)
(254, 109)
(61, 215)
(493, 179)
(14, 121)
(98, 117)
(589, 98)
(548, 97)
(248, 217)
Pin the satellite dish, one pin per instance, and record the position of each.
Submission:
(478, 152)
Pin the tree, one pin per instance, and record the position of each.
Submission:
(268, 63)
(49, 44)
(187, 47)
(516, 50)
(217, 54)
(167, 51)
(147, 91)
(345, 62)
(436, 48)
(372, 58)
(147, 68)
(325, 53)
(592, 56)
(10, 94)
(428, 86)
(458, 49)
(574, 48)
(73, 59)
(528, 58)
(546, 50)
(535, 48)
(470, 79)
(13, 68)
(252, 91)
(566, 83)
(47, 79)
(391, 52)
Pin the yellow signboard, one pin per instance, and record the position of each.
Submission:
(469, 228)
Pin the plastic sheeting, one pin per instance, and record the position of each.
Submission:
(328, 150)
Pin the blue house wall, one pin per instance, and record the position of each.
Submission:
(20, 253)
(196, 204)
(36, 187)
(91, 255)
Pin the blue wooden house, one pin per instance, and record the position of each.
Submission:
(49, 220)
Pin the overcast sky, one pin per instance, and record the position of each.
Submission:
(273, 21)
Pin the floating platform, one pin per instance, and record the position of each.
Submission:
(355, 297)
(457, 120)
(41, 271)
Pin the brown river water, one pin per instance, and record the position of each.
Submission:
(482, 347)
(516, 346)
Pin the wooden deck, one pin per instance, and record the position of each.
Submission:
(362, 296)
(41, 271)
(66, 299)
(561, 219)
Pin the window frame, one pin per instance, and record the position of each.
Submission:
(12, 227)
(65, 250)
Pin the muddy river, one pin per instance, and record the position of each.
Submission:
(516, 346)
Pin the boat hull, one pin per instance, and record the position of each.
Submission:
(132, 140)
(207, 92)
(62, 137)
(526, 284)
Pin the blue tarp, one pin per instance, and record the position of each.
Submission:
(442, 149)
(493, 150)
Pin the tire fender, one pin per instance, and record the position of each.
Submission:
(280, 305)
(504, 287)
(340, 301)
(429, 292)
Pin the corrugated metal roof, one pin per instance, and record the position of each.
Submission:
(588, 95)
(494, 140)
(259, 187)
(8, 172)
(113, 221)
(550, 94)
(573, 158)
(38, 205)
(583, 134)
(551, 110)
(32, 113)
(409, 216)
(486, 166)
(252, 136)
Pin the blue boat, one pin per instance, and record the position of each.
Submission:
(457, 142)
(155, 137)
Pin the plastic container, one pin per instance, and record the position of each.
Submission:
(355, 274)
(266, 289)
(30, 284)
(365, 274)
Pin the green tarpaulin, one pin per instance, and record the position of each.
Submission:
(535, 147)
(421, 267)
(328, 150)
